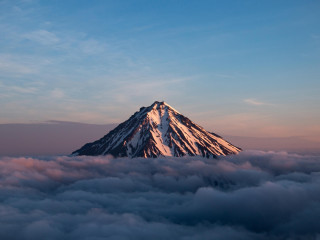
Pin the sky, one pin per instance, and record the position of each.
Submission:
(248, 70)
(242, 68)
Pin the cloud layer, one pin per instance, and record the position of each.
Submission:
(254, 195)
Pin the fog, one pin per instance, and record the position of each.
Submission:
(48, 138)
(62, 138)
(253, 195)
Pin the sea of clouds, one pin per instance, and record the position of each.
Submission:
(253, 195)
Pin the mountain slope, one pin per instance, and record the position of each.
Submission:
(158, 130)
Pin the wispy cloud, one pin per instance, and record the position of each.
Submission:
(252, 101)
(57, 93)
(15, 65)
(92, 46)
(17, 89)
(154, 88)
(43, 37)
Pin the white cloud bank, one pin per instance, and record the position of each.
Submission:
(254, 195)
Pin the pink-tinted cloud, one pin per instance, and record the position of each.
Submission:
(253, 195)
(254, 102)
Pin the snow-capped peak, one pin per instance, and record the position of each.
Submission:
(159, 130)
(163, 103)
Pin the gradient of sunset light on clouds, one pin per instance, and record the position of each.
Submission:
(244, 68)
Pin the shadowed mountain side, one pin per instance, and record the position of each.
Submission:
(49, 138)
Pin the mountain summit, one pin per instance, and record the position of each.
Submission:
(159, 130)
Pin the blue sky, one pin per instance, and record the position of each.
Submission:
(247, 68)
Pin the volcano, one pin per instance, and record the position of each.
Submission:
(159, 130)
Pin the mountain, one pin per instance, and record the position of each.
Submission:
(158, 130)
